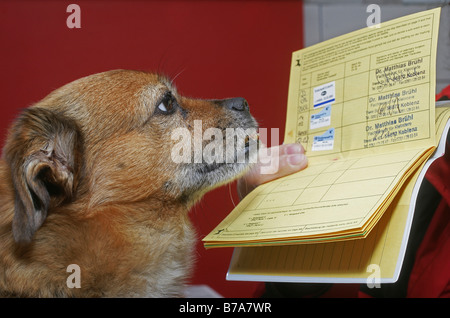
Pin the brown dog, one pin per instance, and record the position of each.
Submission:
(87, 177)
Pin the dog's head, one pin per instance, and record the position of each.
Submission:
(123, 137)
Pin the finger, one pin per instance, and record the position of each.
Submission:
(291, 163)
(282, 166)
(289, 149)
(288, 158)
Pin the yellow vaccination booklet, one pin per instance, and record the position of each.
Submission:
(350, 261)
(363, 106)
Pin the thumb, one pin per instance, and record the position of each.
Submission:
(274, 163)
(284, 160)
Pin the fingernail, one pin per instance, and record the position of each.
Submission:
(294, 149)
(295, 160)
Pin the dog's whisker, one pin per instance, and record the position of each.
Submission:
(172, 80)
(231, 195)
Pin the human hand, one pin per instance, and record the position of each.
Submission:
(291, 158)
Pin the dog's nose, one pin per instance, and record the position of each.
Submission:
(237, 104)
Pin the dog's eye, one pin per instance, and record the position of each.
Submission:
(167, 105)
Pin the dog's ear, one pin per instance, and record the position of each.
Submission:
(43, 150)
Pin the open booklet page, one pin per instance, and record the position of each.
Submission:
(348, 261)
(362, 104)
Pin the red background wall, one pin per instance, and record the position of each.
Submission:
(217, 49)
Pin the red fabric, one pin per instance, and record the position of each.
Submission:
(439, 174)
(431, 273)
(445, 93)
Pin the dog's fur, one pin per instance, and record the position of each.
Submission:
(86, 178)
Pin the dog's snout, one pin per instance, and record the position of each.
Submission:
(236, 104)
